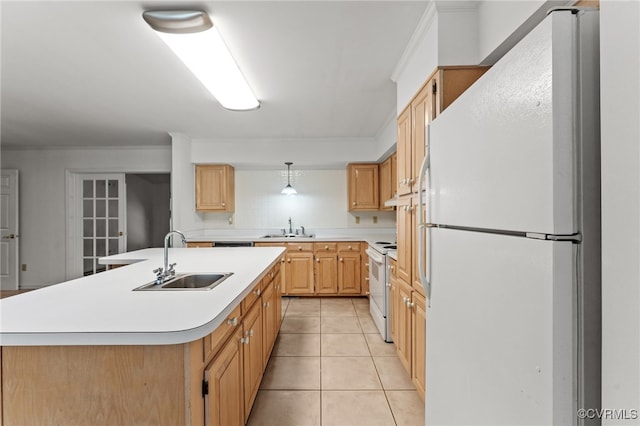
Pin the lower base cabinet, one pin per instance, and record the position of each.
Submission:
(252, 354)
(224, 400)
(419, 339)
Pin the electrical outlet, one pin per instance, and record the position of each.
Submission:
(24, 267)
(230, 220)
(375, 219)
(357, 219)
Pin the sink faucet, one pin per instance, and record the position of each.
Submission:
(290, 229)
(162, 274)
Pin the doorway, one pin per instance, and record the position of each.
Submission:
(9, 240)
(148, 209)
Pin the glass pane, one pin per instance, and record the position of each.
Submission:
(113, 246)
(113, 227)
(113, 189)
(101, 228)
(87, 189)
(88, 266)
(87, 228)
(87, 208)
(101, 191)
(101, 268)
(88, 247)
(101, 249)
(100, 208)
(113, 208)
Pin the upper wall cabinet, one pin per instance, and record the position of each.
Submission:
(439, 91)
(215, 188)
(388, 175)
(363, 187)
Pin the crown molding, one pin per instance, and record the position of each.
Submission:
(427, 19)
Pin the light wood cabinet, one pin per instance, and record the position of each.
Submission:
(418, 347)
(349, 272)
(404, 152)
(403, 332)
(388, 177)
(363, 187)
(199, 244)
(215, 188)
(405, 231)
(326, 272)
(224, 398)
(393, 301)
(269, 321)
(299, 272)
(253, 361)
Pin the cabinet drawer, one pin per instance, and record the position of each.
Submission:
(348, 246)
(195, 244)
(251, 297)
(322, 247)
(299, 247)
(213, 342)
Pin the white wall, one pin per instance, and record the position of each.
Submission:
(43, 199)
(620, 112)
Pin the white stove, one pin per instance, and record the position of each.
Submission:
(379, 286)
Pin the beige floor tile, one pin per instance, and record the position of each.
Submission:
(338, 310)
(407, 408)
(290, 372)
(362, 309)
(304, 307)
(344, 345)
(340, 324)
(349, 373)
(297, 345)
(355, 408)
(286, 408)
(361, 301)
(300, 324)
(367, 324)
(392, 373)
(378, 347)
(336, 301)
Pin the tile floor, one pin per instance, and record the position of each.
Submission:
(330, 367)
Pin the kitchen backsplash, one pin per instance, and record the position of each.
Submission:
(321, 203)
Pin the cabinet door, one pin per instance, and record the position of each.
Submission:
(416, 283)
(268, 322)
(214, 187)
(403, 342)
(299, 273)
(394, 309)
(349, 272)
(224, 401)
(326, 276)
(363, 187)
(418, 347)
(387, 187)
(404, 152)
(405, 238)
(421, 113)
(252, 355)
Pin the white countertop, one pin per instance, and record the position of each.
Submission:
(319, 236)
(102, 309)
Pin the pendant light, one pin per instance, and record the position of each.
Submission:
(288, 190)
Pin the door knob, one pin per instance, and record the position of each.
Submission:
(11, 236)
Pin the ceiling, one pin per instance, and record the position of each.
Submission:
(94, 74)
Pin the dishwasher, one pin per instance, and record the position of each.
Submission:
(232, 244)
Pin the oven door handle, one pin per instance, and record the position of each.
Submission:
(375, 256)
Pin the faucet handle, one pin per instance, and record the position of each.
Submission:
(158, 271)
(171, 269)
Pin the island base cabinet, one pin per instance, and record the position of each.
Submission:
(252, 356)
(94, 385)
(224, 397)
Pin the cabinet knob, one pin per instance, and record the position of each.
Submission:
(223, 204)
(349, 247)
(318, 260)
(232, 321)
(300, 248)
(341, 260)
(366, 264)
(366, 278)
(288, 260)
(256, 292)
(244, 340)
(354, 203)
(326, 247)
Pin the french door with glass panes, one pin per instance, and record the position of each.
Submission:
(102, 213)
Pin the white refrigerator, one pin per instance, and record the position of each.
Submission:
(512, 237)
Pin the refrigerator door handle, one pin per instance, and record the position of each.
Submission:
(423, 226)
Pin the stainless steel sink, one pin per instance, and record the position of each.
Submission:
(188, 282)
(288, 236)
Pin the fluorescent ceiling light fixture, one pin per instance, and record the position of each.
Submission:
(193, 38)
(288, 190)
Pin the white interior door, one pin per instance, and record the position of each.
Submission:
(500, 346)
(9, 241)
(101, 214)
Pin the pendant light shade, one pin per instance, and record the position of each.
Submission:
(288, 190)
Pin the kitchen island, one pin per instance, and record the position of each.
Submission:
(93, 351)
